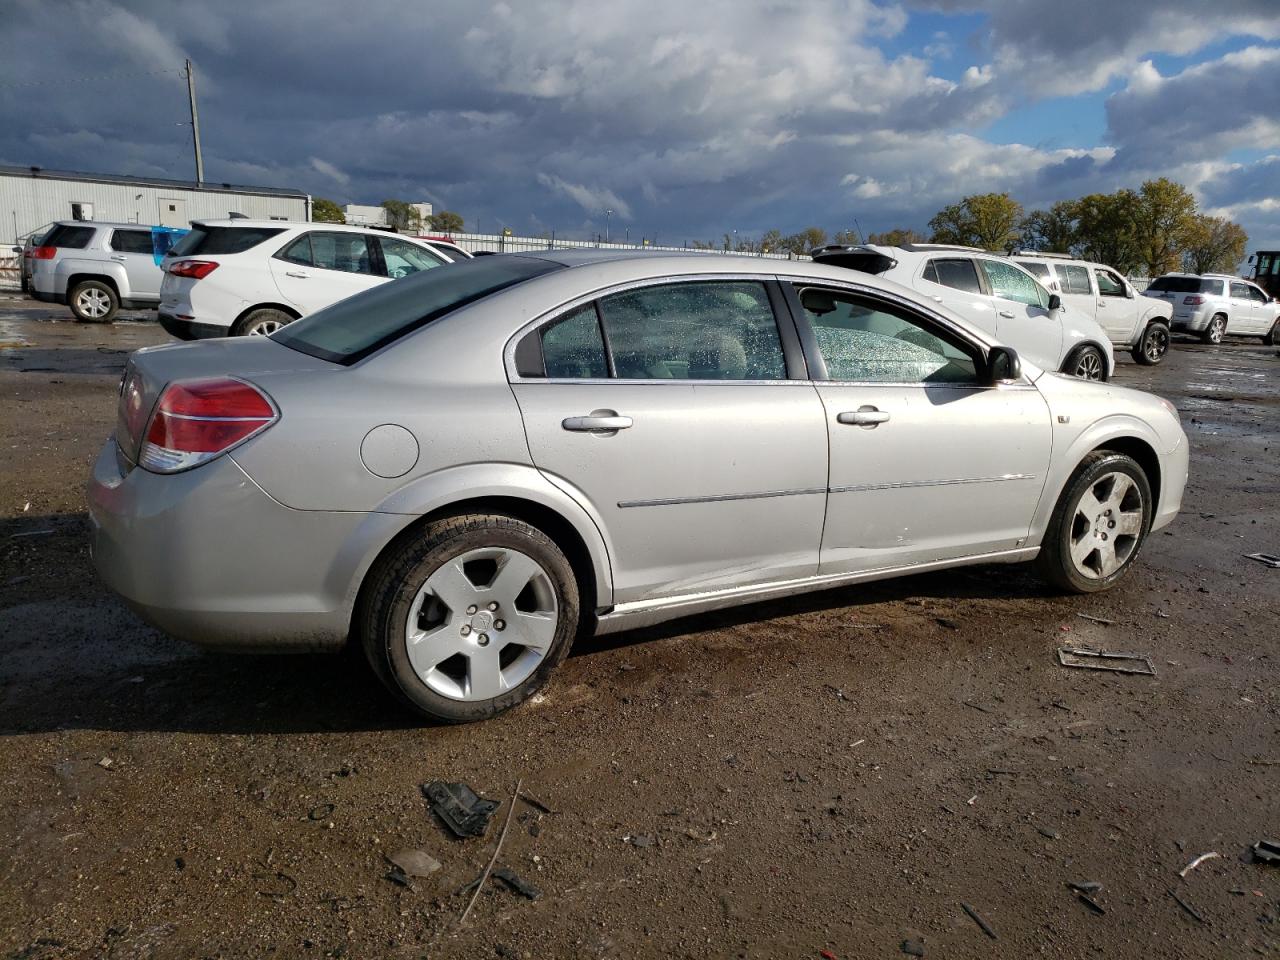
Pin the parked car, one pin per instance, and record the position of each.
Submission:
(1133, 321)
(97, 268)
(446, 248)
(23, 249)
(1214, 305)
(465, 470)
(994, 294)
(251, 277)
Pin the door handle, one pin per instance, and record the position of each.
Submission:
(120, 259)
(863, 417)
(938, 299)
(602, 422)
(1102, 303)
(1007, 314)
(297, 274)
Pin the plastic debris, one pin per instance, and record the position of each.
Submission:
(1092, 904)
(1101, 660)
(462, 811)
(1267, 851)
(1191, 911)
(517, 884)
(977, 918)
(1197, 861)
(1084, 886)
(414, 863)
(1268, 559)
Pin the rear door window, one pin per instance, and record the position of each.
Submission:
(1075, 279)
(131, 241)
(206, 240)
(1239, 291)
(958, 273)
(1010, 283)
(69, 238)
(573, 347)
(345, 252)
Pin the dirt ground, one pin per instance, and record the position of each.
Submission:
(824, 777)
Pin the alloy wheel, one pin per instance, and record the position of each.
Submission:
(1089, 365)
(481, 623)
(1106, 526)
(1217, 327)
(1156, 344)
(264, 328)
(93, 303)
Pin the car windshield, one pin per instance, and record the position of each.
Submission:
(354, 328)
(205, 240)
(1184, 285)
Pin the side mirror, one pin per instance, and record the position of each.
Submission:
(1003, 364)
(1055, 302)
(1128, 292)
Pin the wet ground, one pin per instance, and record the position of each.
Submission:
(835, 773)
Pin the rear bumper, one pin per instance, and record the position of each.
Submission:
(209, 558)
(1189, 320)
(190, 329)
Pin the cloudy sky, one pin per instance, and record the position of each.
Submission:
(687, 119)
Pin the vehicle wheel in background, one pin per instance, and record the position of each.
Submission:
(1087, 363)
(1216, 330)
(469, 616)
(93, 301)
(1153, 344)
(1273, 335)
(1098, 525)
(261, 323)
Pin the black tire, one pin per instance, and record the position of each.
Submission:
(93, 301)
(1087, 363)
(1153, 345)
(1273, 335)
(262, 322)
(1216, 330)
(397, 577)
(1055, 560)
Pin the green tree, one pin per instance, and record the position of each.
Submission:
(1214, 245)
(987, 220)
(1107, 229)
(446, 221)
(897, 237)
(1052, 230)
(402, 215)
(324, 210)
(1165, 220)
(772, 241)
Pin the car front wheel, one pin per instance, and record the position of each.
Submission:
(1153, 345)
(1098, 525)
(469, 616)
(93, 301)
(1273, 335)
(1087, 363)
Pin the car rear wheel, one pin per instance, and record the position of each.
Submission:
(261, 323)
(1087, 363)
(93, 301)
(469, 616)
(1273, 335)
(1216, 330)
(1153, 345)
(1098, 525)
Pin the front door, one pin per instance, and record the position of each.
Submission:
(706, 465)
(1023, 318)
(322, 267)
(928, 462)
(1264, 310)
(1117, 308)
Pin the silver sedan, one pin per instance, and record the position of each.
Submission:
(465, 470)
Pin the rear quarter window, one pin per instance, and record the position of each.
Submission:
(69, 238)
(206, 241)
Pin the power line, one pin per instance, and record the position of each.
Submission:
(91, 79)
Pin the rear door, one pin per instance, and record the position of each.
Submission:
(135, 250)
(1243, 315)
(1077, 290)
(672, 411)
(322, 267)
(954, 282)
(928, 461)
(1117, 310)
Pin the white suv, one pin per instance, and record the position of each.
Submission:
(1134, 322)
(995, 295)
(1214, 304)
(251, 277)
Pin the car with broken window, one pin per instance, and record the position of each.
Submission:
(996, 295)
(1133, 321)
(465, 471)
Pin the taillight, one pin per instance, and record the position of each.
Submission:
(1193, 301)
(197, 420)
(42, 253)
(194, 269)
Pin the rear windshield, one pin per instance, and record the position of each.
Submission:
(1185, 285)
(73, 238)
(203, 241)
(354, 328)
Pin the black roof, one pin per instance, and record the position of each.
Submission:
(42, 174)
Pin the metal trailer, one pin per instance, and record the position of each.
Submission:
(32, 198)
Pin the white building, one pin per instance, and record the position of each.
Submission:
(363, 215)
(32, 198)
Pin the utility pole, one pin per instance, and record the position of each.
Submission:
(608, 214)
(195, 124)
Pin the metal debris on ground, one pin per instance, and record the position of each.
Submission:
(517, 883)
(537, 804)
(1269, 559)
(1197, 861)
(1194, 914)
(977, 918)
(1101, 660)
(1092, 619)
(414, 863)
(1267, 851)
(1084, 886)
(1092, 904)
(106, 763)
(506, 825)
(462, 811)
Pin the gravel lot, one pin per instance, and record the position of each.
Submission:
(835, 773)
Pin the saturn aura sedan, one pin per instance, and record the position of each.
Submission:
(465, 470)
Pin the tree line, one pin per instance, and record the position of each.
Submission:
(401, 215)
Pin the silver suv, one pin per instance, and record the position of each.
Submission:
(1215, 304)
(97, 268)
(1133, 322)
